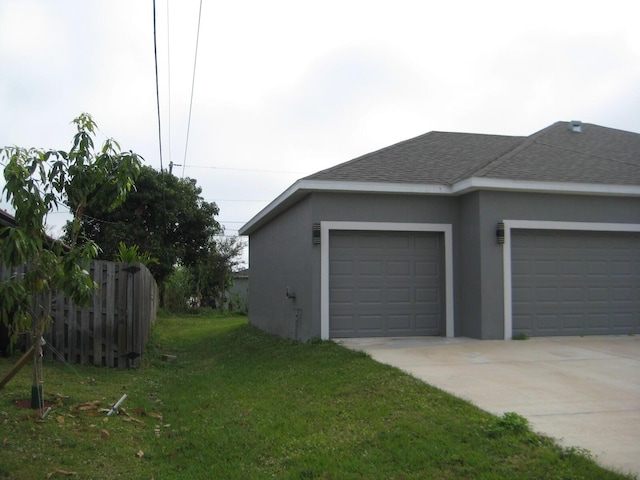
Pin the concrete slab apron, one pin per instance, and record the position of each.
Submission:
(582, 391)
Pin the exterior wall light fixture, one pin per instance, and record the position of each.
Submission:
(500, 233)
(316, 234)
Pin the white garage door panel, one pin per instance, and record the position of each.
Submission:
(575, 283)
(386, 284)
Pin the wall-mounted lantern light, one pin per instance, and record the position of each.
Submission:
(500, 233)
(316, 234)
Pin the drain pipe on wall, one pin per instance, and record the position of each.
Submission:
(291, 295)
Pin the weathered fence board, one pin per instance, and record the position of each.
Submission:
(96, 327)
(116, 323)
(110, 309)
(58, 327)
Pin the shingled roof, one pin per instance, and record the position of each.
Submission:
(590, 160)
(556, 154)
(435, 157)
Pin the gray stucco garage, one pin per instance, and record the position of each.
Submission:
(457, 234)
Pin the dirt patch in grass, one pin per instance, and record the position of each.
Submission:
(27, 404)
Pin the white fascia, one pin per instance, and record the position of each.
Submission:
(302, 187)
(269, 208)
(543, 225)
(476, 183)
(376, 187)
(327, 226)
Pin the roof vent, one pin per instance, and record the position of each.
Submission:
(575, 126)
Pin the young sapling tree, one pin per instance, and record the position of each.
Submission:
(37, 182)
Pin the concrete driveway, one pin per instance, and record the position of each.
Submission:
(582, 391)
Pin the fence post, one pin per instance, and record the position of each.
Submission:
(132, 327)
(110, 339)
(96, 304)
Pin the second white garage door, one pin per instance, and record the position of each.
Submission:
(386, 284)
(575, 282)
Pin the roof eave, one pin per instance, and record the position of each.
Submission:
(7, 220)
(303, 187)
(290, 196)
(531, 186)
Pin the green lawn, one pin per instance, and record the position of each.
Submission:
(239, 403)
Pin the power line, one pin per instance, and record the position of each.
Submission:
(169, 85)
(247, 170)
(155, 56)
(234, 200)
(193, 81)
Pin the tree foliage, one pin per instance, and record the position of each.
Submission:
(208, 282)
(132, 254)
(37, 182)
(165, 217)
(213, 276)
(179, 289)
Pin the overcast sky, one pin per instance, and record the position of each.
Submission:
(284, 88)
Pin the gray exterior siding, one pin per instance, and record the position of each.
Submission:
(282, 253)
(462, 185)
(374, 208)
(467, 261)
(281, 256)
(238, 295)
(497, 206)
(384, 208)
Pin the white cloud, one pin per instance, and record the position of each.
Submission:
(293, 86)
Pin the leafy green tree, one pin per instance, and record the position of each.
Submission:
(214, 273)
(37, 182)
(165, 217)
(132, 254)
(179, 289)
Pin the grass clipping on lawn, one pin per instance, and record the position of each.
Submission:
(238, 403)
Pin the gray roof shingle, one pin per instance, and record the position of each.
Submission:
(597, 160)
(555, 154)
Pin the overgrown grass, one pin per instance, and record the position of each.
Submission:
(239, 404)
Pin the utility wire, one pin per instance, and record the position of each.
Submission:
(248, 170)
(193, 81)
(169, 85)
(234, 200)
(155, 56)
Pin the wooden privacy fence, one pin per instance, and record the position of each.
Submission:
(113, 330)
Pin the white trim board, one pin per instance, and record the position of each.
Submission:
(327, 226)
(302, 187)
(543, 225)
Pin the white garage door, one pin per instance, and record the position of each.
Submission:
(575, 283)
(386, 284)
